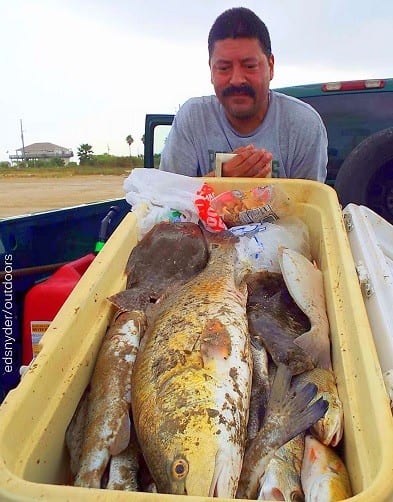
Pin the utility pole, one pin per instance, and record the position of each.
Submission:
(23, 141)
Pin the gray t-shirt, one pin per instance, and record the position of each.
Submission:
(291, 130)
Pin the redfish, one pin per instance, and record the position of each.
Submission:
(192, 379)
(324, 475)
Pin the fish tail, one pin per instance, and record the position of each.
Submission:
(293, 404)
(288, 414)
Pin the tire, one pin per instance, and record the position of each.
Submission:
(366, 175)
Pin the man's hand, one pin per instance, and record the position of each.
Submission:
(250, 162)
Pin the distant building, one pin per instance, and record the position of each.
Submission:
(42, 151)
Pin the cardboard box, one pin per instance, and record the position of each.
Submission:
(34, 416)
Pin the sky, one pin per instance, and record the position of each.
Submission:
(88, 71)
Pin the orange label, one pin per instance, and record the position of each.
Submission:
(37, 330)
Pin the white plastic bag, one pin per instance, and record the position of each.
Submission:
(161, 188)
(170, 197)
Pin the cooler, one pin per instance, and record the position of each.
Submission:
(36, 414)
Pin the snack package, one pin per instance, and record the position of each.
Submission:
(207, 214)
(259, 204)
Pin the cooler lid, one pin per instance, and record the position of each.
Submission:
(371, 241)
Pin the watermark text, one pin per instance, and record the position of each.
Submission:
(7, 309)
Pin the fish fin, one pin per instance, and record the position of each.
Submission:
(215, 342)
(219, 238)
(306, 342)
(254, 280)
(280, 387)
(317, 347)
(121, 437)
(129, 299)
(288, 414)
(292, 405)
(223, 483)
(157, 303)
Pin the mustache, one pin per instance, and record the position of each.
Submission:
(234, 90)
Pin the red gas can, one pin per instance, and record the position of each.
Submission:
(45, 299)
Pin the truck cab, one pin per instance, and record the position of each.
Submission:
(358, 116)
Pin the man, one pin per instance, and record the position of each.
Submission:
(263, 127)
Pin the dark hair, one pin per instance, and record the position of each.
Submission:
(239, 22)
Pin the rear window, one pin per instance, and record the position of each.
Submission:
(349, 118)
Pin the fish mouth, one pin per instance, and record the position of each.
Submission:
(329, 434)
(278, 494)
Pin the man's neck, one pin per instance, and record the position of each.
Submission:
(245, 125)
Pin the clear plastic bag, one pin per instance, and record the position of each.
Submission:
(258, 243)
(262, 203)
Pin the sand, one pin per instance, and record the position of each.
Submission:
(25, 195)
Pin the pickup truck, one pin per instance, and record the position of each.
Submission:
(358, 116)
(359, 120)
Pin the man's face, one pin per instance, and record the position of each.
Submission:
(241, 73)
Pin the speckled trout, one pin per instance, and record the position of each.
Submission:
(192, 380)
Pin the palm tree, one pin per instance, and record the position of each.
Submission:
(85, 153)
(130, 141)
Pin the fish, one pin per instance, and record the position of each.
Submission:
(124, 467)
(324, 475)
(107, 426)
(75, 433)
(329, 429)
(288, 414)
(170, 253)
(305, 284)
(281, 480)
(276, 321)
(192, 380)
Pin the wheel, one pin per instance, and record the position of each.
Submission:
(366, 175)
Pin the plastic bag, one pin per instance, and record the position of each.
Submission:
(161, 188)
(258, 243)
(170, 197)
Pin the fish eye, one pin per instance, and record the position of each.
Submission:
(179, 468)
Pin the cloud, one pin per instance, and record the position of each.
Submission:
(90, 71)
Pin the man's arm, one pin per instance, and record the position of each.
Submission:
(179, 154)
(310, 158)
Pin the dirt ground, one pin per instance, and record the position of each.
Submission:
(32, 194)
